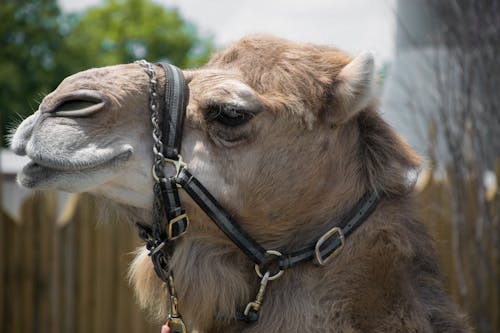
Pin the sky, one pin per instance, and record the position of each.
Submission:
(352, 25)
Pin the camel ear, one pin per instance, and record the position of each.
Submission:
(355, 83)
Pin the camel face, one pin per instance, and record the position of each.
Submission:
(248, 131)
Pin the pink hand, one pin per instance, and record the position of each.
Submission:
(165, 329)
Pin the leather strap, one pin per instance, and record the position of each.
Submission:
(173, 220)
(173, 209)
(176, 94)
(176, 97)
(348, 224)
(252, 248)
(221, 217)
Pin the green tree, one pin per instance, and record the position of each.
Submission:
(41, 46)
(30, 37)
(122, 31)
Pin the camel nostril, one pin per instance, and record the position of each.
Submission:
(79, 104)
(74, 105)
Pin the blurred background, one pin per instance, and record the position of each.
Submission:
(438, 78)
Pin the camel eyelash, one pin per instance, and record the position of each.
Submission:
(228, 115)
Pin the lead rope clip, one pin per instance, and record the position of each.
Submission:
(252, 309)
(174, 322)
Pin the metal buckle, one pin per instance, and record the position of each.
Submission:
(178, 164)
(175, 220)
(317, 251)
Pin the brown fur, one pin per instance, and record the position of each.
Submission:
(306, 161)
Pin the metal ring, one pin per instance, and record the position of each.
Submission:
(272, 277)
(155, 176)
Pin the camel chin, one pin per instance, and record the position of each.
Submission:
(71, 178)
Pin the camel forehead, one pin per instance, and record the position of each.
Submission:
(296, 78)
(273, 64)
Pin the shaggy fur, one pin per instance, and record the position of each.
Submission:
(313, 146)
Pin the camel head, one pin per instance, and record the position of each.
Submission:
(284, 135)
(272, 128)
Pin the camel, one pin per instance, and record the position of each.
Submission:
(287, 137)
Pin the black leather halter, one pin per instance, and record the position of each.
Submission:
(160, 237)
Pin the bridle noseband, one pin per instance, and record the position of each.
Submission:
(170, 220)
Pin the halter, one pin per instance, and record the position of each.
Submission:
(170, 220)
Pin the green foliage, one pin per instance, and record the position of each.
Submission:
(41, 46)
(125, 30)
(27, 54)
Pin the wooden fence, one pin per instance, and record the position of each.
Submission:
(66, 278)
(72, 277)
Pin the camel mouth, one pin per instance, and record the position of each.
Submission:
(43, 175)
(80, 164)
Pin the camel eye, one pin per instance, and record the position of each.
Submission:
(228, 115)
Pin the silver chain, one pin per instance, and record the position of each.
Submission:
(157, 171)
(155, 121)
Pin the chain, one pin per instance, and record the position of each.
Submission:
(157, 143)
(155, 120)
